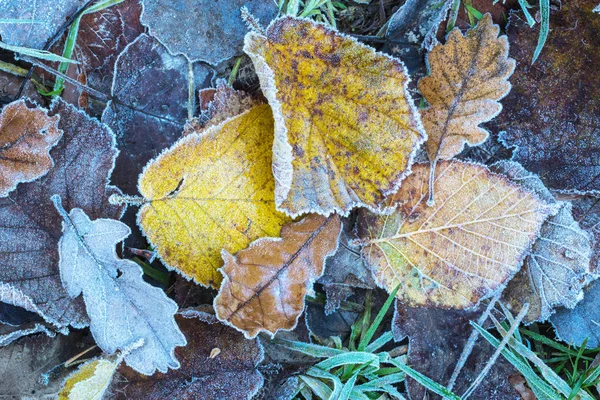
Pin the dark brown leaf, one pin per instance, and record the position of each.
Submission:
(551, 114)
(230, 375)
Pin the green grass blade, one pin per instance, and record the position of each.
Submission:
(310, 349)
(425, 381)
(544, 28)
(377, 321)
(41, 54)
(318, 388)
(348, 358)
(380, 342)
(348, 387)
(524, 6)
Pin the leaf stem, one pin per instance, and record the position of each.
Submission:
(117, 200)
(430, 199)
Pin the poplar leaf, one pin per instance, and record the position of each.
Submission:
(122, 307)
(90, 381)
(26, 136)
(558, 266)
(265, 284)
(459, 251)
(211, 191)
(345, 127)
(30, 227)
(469, 74)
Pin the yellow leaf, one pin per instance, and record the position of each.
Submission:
(211, 191)
(468, 75)
(463, 249)
(345, 126)
(90, 381)
(265, 284)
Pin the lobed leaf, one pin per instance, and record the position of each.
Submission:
(122, 307)
(26, 136)
(264, 285)
(468, 75)
(211, 191)
(345, 127)
(462, 250)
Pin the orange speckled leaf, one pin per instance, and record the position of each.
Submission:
(462, 250)
(345, 127)
(211, 191)
(26, 137)
(469, 74)
(265, 285)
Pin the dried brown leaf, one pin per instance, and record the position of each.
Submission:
(462, 250)
(469, 74)
(27, 134)
(264, 285)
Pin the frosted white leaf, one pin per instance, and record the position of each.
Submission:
(122, 307)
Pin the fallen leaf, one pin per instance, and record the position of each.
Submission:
(218, 26)
(574, 326)
(90, 381)
(468, 75)
(551, 114)
(233, 375)
(43, 20)
(27, 134)
(463, 249)
(264, 285)
(436, 339)
(411, 31)
(586, 211)
(9, 333)
(345, 270)
(558, 266)
(346, 130)
(152, 91)
(10, 85)
(122, 307)
(33, 366)
(211, 191)
(31, 227)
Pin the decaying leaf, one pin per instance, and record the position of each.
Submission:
(264, 285)
(586, 211)
(469, 74)
(90, 381)
(33, 367)
(551, 114)
(582, 322)
(345, 270)
(43, 20)
(151, 87)
(436, 339)
(122, 307)
(26, 136)
(211, 191)
(464, 248)
(31, 227)
(231, 375)
(218, 25)
(558, 265)
(345, 127)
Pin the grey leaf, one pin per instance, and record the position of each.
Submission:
(30, 227)
(203, 30)
(122, 307)
(558, 266)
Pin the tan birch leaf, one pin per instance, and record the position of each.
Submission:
(264, 285)
(463, 249)
(469, 74)
(26, 136)
(345, 127)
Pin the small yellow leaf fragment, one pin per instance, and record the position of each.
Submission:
(345, 126)
(463, 249)
(90, 381)
(211, 191)
(265, 284)
(469, 74)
